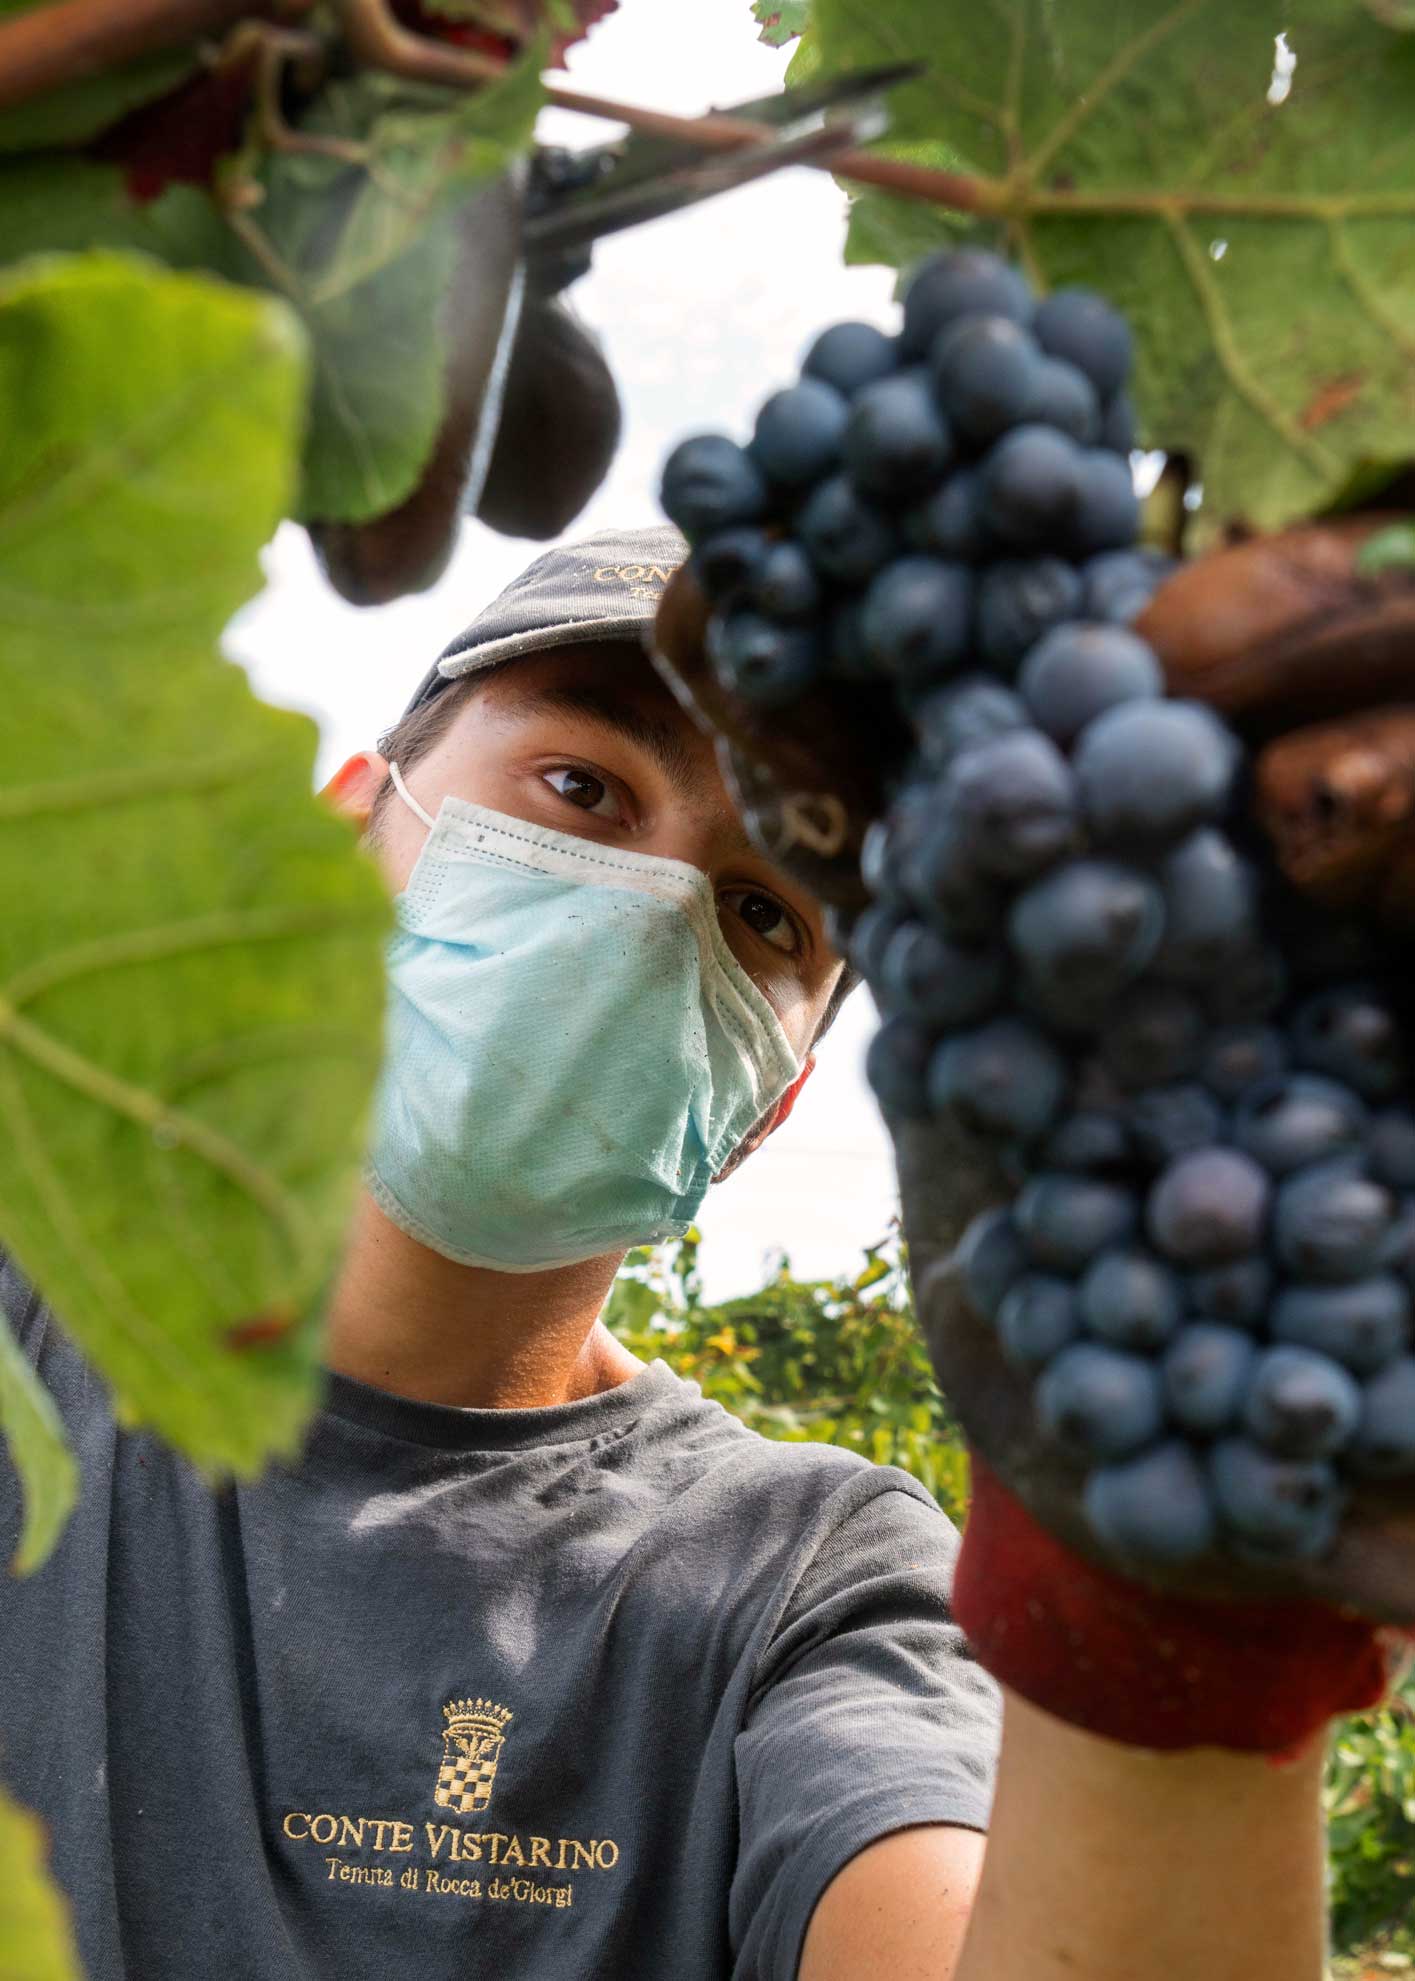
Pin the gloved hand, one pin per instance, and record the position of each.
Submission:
(1248, 1654)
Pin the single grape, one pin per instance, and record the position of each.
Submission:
(1118, 423)
(1036, 1320)
(1208, 1207)
(1301, 1404)
(850, 355)
(1353, 1035)
(949, 887)
(1153, 1034)
(1384, 1444)
(765, 663)
(1331, 1223)
(1239, 1057)
(1082, 327)
(1015, 802)
(989, 1258)
(1120, 584)
(1131, 1300)
(1077, 671)
(1298, 1119)
(1018, 600)
(1088, 1143)
(946, 985)
(970, 282)
(1066, 1220)
(784, 584)
(709, 483)
(1157, 1508)
(896, 441)
(1174, 1120)
(1030, 485)
(1107, 513)
(726, 563)
(798, 432)
(1288, 1507)
(1209, 907)
(1099, 1402)
(1150, 771)
(1064, 397)
(1364, 1325)
(1086, 928)
(971, 710)
(847, 537)
(897, 1067)
(874, 929)
(1238, 1293)
(1390, 1146)
(985, 374)
(950, 521)
(1003, 1079)
(1207, 1370)
(917, 618)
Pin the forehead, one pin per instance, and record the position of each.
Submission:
(616, 686)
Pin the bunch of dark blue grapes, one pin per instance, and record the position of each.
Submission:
(1207, 1266)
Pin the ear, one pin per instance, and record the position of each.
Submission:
(355, 784)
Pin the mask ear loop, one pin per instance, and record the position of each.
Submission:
(408, 799)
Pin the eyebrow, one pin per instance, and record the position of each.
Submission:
(660, 738)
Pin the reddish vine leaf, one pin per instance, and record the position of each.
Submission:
(511, 25)
(76, 113)
(780, 21)
(1249, 212)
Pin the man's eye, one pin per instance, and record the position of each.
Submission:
(766, 918)
(584, 789)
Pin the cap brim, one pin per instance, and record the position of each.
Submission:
(515, 646)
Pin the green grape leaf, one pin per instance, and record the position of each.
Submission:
(362, 240)
(79, 110)
(780, 21)
(39, 1452)
(366, 251)
(1251, 217)
(191, 981)
(36, 1939)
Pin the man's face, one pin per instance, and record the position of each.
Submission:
(593, 743)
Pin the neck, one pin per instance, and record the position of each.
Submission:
(403, 1318)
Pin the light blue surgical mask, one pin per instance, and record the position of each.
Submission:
(572, 1050)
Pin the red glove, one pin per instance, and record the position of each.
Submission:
(1111, 1656)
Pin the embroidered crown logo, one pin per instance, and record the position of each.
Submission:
(471, 1748)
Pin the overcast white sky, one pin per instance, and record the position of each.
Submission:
(701, 314)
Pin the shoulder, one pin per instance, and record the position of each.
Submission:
(829, 1483)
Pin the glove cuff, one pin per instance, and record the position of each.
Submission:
(1113, 1657)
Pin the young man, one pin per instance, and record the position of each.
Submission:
(536, 1664)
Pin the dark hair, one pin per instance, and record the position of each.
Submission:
(413, 736)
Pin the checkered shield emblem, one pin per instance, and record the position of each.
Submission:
(472, 1739)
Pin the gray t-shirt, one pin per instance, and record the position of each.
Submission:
(607, 1689)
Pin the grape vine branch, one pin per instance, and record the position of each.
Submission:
(78, 38)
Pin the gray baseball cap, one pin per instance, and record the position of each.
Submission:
(604, 588)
